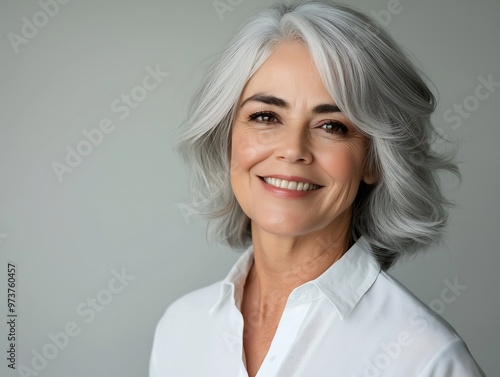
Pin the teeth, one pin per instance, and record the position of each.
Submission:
(291, 185)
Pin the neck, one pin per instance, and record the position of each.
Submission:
(284, 263)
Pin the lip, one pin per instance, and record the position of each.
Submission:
(286, 193)
(290, 178)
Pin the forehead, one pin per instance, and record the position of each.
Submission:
(289, 70)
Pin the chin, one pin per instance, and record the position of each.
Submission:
(283, 228)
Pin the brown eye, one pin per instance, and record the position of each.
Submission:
(263, 117)
(333, 127)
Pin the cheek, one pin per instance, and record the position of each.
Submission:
(248, 148)
(342, 163)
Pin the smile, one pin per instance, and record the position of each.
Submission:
(290, 185)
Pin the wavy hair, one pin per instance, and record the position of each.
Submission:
(374, 83)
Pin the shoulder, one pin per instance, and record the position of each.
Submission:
(177, 332)
(453, 359)
(402, 308)
(404, 322)
(197, 302)
(184, 315)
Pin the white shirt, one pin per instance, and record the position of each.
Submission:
(352, 321)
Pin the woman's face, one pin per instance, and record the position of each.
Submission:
(288, 127)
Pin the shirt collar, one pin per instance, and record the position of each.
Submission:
(350, 277)
(232, 286)
(343, 283)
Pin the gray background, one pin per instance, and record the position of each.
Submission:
(119, 208)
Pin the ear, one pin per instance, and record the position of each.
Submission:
(370, 172)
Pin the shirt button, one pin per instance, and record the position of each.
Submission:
(272, 358)
(303, 296)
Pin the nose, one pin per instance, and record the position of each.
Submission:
(293, 145)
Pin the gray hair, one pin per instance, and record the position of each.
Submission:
(373, 82)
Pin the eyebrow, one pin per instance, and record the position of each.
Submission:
(275, 101)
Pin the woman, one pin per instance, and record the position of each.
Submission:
(310, 147)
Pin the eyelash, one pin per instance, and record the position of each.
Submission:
(254, 116)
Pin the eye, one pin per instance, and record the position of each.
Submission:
(334, 127)
(263, 117)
